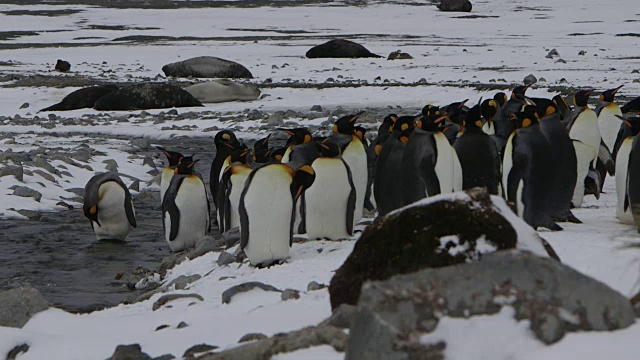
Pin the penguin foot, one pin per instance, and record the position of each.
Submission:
(551, 226)
(572, 218)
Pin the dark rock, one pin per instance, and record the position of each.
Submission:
(315, 286)
(146, 96)
(289, 294)
(317, 108)
(252, 337)
(172, 112)
(455, 5)
(207, 67)
(24, 191)
(182, 325)
(16, 171)
(143, 144)
(552, 53)
(129, 352)
(530, 80)
(285, 343)
(555, 299)
(225, 259)
(561, 60)
(30, 214)
(340, 48)
(434, 232)
(16, 351)
(191, 352)
(162, 327)
(170, 297)
(24, 106)
(62, 66)
(182, 281)
(170, 261)
(342, 316)
(228, 294)
(205, 245)
(276, 119)
(399, 55)
(164, 357)
(112, 165)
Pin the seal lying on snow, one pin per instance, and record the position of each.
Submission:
(207, 67)
(146, 96)
(223, 90)
(82, 98)
(339, 48)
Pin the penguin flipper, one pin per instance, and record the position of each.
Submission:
(515, 176)
(174, 215)
(128, 208)
(604, 154)
(351, 201)
(302, 228)
(222, 201)
(430, 179)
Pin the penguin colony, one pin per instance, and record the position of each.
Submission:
(541, 155)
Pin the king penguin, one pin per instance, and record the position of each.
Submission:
(109, 207)
(174, 159)
(261, 151)
(267, 211)
(225, 142)
(185, 208)
(526, 173)
(299, 137)
(478, 154)
(355, 156)
(387, 125)
(330, 203)
(608, 121)
(231, 186)
(626, 149)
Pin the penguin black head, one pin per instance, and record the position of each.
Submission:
(262, 144)
(500, 98)
(303, 178)
(359, 131)
(226, 139)
(91, 213)
(388, 123)
(488, 109)
(607, 96)
(632, 122)
(523, 120)
(430, 111)
(404, 135)
(172, 156)
(378, 143)
(328, 148)
(404, 123)
(545, 108)
(186, 166)
(518, 92)
(473, 118)
(581, 98)
(346, 124)
(277, 154)
(299, 136)
(239, 155)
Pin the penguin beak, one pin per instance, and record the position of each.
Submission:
(230, 146)
(614, 91)
(356, 116)
(287, 131)
(462, 103)
(441, 118)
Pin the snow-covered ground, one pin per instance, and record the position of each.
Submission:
(453, 53)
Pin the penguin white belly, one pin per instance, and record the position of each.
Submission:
(237, 185)
(114, 224)
(457, 171)
(488, 128)
(165, 180)
(356, 158)
(444, 163)
(622, 167)
(326, 201)
(507, 164)
(584, 155)
(609, 124)
(191, 201)
(268, 203)
(585, 129)
(225, 163)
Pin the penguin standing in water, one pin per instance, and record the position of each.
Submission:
(565, 165)
(331, 201)
(174, 159)
(526, 174)
(625, 180)
(226, 142)
(267, 208)
(185, 208)
(478, 154)
(386, 191)
(355, 156)
(231, 186)
(109, 207)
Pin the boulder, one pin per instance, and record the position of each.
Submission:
(19, 305)
(228, 294)
(146, 96)
(555, 299)
(434, 232)
(340, 48)
(455, 5)
(207, 67)
(129, 352)
(399, 55)
(284, 343)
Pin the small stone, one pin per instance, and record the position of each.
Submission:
(112, 165)
(330, 80)
(563, 81)
(315, 286)
(561, 60)
(255, 115)
(16, 351)
(16, 171)
(143, 114)
(24, 106)
(170, 297)
(552, 53)
(582, 52)
(252, 337)
(182, 281)
(162, 327)
(182, 325)
(542, 79)
(172, 112)
(24, 191)
(197, 349)
(317, 108)
(225, 259)
(289, 294)
(530, 79)
(52, 116)
(135, 186)
(228, 294)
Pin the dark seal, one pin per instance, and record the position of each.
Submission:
(339, 48)
(455, 5)
(146, 96)
(82, 98)
(207, 67)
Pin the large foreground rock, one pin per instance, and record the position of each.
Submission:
(146, 96)
(438, 231)
(556, 299)
(340, 48)
(207, 67)
(18, 305)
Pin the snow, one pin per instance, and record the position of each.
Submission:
(451, 53)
